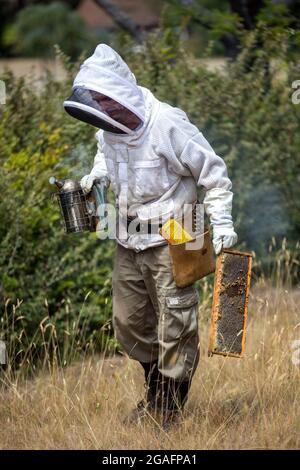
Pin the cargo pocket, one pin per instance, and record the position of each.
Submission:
(180, 316)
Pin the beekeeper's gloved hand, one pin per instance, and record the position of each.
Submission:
(218, 204)
(223, 237)
(87, 182)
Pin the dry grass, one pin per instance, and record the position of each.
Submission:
(251, 403)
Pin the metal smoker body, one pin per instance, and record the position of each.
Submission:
(79, 211)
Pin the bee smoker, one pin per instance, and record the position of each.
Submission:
(80, 212)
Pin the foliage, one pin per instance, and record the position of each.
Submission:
(52, 275)
(39, 27)
(221, 23)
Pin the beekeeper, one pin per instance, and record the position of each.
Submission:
(155, 159)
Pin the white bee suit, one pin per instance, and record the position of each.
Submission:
(157, 168)
(154, 172)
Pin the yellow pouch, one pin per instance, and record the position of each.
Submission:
(174, 233)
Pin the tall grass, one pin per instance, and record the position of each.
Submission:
(27, 354)
(244, 403)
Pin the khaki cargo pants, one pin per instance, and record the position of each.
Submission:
(154, 319)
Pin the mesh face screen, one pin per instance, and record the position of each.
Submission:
(94, 101)
(91, 119)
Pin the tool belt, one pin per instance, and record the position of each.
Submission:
(191, 265)
(192, 255)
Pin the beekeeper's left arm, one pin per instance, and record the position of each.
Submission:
(209, 171)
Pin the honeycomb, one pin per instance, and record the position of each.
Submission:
(230, 303)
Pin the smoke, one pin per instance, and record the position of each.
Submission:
(265, 216)
(79, 160)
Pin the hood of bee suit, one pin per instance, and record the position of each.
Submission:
(106, 72)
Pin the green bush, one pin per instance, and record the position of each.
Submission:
(245, 112)
(52, 273)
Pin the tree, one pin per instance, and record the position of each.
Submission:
(123, 20)
(39, 27)
(8, 13)
(223, 21)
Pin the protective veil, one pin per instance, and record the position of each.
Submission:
(101, 111)
(156, 165)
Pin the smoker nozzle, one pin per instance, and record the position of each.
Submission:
(53, 180)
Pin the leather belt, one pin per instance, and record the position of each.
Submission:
(144, 227)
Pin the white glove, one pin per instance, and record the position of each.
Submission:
(224, 236)
(218, 205)
(87, 182)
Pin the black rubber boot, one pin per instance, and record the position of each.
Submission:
(148, 404)
(152, 381)
(164, 392)
(164, 396)
(175, 395)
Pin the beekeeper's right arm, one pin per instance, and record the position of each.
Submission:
(99, 169)
(210, 172)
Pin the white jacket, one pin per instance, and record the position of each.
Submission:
(157, 168)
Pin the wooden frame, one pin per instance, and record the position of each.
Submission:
(216, 314)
